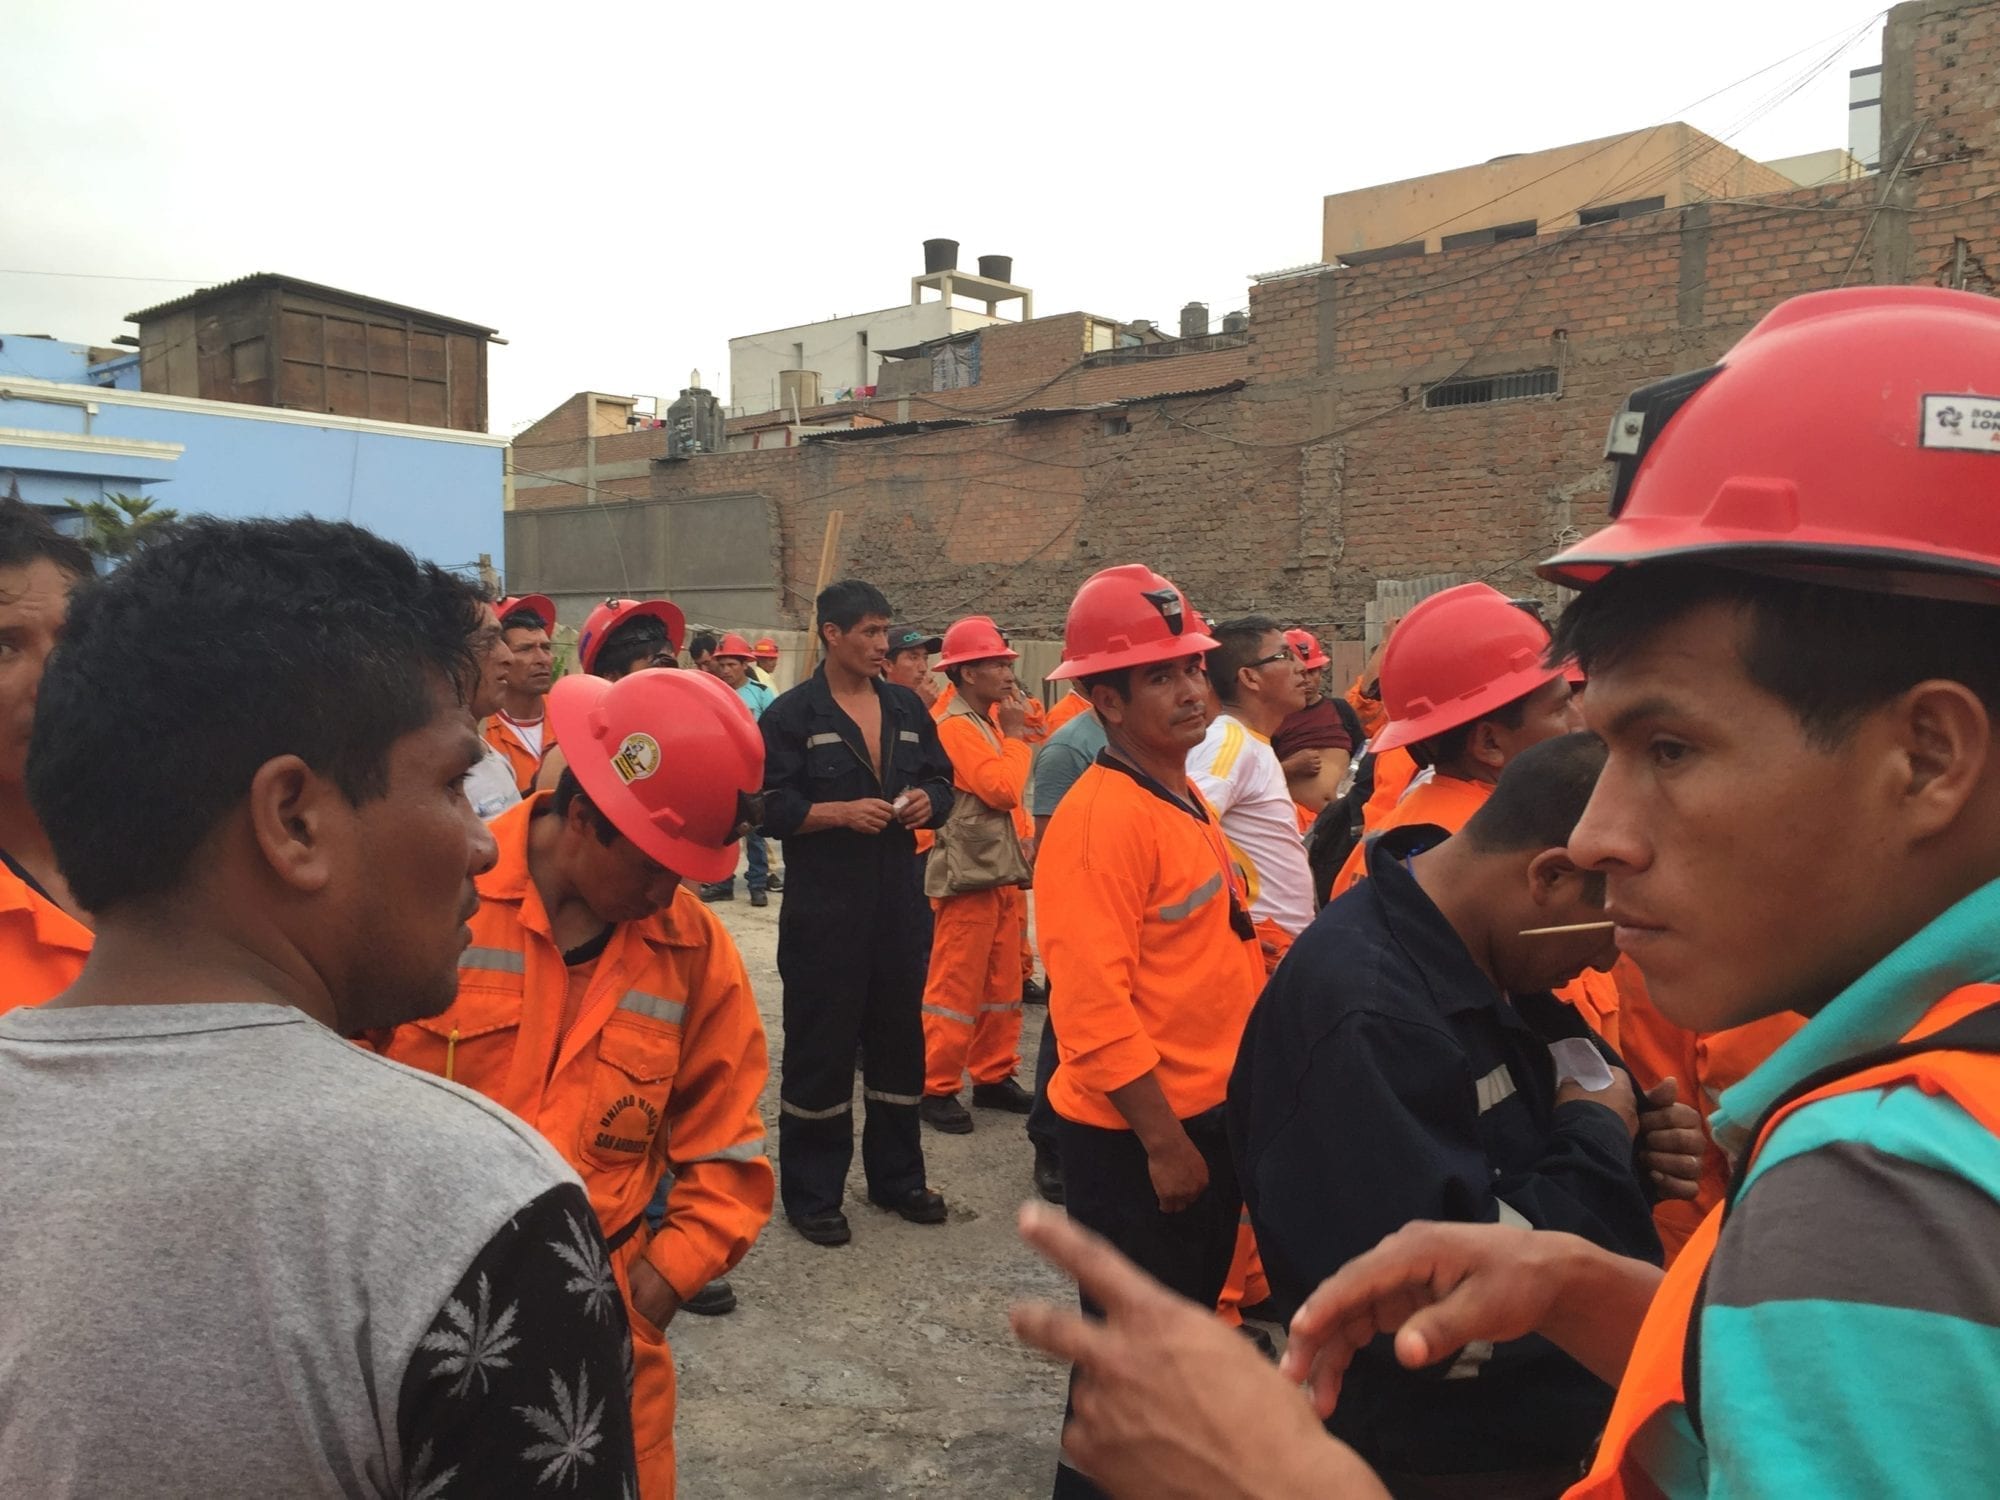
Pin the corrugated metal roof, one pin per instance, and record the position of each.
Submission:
(885, 429)
(1025, 413)
(276, 278)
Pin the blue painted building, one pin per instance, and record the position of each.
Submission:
(73, 425)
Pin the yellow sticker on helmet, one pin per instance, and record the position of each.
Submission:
(637, 758)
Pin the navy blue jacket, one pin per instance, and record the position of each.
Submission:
(1384, 1079)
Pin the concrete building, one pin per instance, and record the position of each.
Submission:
(1520, 196)
(1820, 168)
(74, 428)
(814, 363)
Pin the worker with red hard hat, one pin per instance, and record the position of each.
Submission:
(1466, 690)
(767, 661)
(603, 1004)
(1790, 628)
(627, 635)
(1316, 744)
(732, 661)
(974, 877)
(1153, 961)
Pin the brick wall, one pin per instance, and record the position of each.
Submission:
(1324, 474)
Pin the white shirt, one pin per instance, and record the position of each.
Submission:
(1236, 769)
(489, 786)
(529, 734)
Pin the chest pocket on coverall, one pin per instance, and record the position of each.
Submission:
(475, 1039)
(636, 1060)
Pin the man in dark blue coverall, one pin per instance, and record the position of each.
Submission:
(1407, 1062)
(852, 767)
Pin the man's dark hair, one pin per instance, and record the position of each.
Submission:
(1237, 645)
(215, 650)
(1119, 681)
(28, 536)
(703, 644)
(1830, 655)
(570, 790)
(523, 619)
(1539, 798)
(849, 602)
(645, 636)
(1445, 749)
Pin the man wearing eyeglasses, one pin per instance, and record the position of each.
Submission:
(1259, 681)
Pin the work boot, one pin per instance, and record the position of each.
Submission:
(712, 1301)
(758, 898)
(1034, 992)
(1048, 1173)
(1006, 1094)
(823, 1229)
(945, 1113)
(719, 890)
(776, 882)
(918, 1205)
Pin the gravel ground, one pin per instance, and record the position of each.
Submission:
(882, 1367)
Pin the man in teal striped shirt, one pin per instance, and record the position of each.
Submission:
(1791, 630)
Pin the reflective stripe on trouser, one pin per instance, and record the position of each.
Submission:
(852, 963)
(653, 1385)
(1247, 1285)
(972, 1000)
(1027, 939)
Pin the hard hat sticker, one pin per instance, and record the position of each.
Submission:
(637, 758)
(1967, 423)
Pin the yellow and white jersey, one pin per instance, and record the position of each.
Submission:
(1238, 772)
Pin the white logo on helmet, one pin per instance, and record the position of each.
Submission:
(637, 758)
(1967, 423)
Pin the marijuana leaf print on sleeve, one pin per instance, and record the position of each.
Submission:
(514, 1390)
(584, 1254)
(475, 1345)
(571, 1429)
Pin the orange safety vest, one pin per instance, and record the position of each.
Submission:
(1654, 1389)
(42, 947)
(525, 762)
(660, 1071)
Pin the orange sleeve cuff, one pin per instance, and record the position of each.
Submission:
(1112, 1064)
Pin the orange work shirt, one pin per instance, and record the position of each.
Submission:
(1072, 704)
(42, 947)
(1394, 771)
(1147, 971)
(525, 762)
(660, 1069)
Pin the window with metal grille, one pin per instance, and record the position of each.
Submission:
(1484, 390)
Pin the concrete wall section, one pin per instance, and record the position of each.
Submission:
(845, 351)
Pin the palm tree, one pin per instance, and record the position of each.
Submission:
(116, 526)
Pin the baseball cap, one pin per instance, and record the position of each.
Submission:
(908, 638)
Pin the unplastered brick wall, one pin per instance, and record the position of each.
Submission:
(1326, 474)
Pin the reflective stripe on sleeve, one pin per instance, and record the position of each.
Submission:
(741, 1151)
(1495, 1086)
(1202, 894)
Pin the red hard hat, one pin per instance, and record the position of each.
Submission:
(1852, 437)
(975, 638)
(733, 644)
(673, 759)
(541, 606)
(1128, 616)
(1456, 657)
(612, 613)
(766, 648)
(1305, 645)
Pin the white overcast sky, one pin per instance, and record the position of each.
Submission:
(619, 189)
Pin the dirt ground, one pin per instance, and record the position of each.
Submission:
(882, 1367)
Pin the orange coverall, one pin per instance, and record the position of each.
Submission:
(42, 947)
(972, 998)
(658, 1070)
(524, 761)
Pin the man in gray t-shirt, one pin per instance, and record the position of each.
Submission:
(1063, 757)
(242, 1256)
